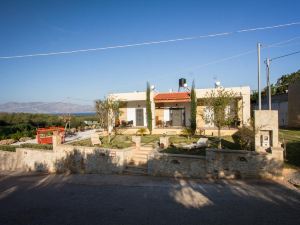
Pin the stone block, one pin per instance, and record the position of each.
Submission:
(164, 141)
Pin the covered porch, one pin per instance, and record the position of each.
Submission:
(172, 110)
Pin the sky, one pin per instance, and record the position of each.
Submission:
(32, 27)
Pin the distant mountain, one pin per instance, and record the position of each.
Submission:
(45, 107)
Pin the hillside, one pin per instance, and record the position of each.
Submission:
(45, 107)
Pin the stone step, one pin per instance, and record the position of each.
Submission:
(140, 154)
(138, 162)
(135, 170)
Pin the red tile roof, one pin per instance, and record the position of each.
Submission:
(173, 97)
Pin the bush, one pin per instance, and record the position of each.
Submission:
(37, 146)
(245, 138)
(8, 148)
(141, 131)
(187, 132)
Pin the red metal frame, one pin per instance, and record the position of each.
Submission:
(44, 135)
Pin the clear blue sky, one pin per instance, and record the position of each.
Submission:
(48, 26)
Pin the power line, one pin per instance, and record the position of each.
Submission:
(244, 53)
(151, 42)
(283, 56)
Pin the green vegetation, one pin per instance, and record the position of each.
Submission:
(280, 87)
(219, 102)
(107, 111)
(37, 146)
(178, 150)
(193, 119)
(148, 108)
(118, 142)
(12, 148)
(142, 131)
(8, 148)
(292, 140)
(17, 125)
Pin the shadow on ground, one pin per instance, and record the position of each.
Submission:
(115, 199)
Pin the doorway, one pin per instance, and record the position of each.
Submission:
(139, 117)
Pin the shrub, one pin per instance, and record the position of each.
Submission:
(8, 148)
(187, 132)
(37, 146)
(141, 131)
(245, 138)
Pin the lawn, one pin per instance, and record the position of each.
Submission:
(12, 148)
(292, 140)
(125, 141)
(117, 142)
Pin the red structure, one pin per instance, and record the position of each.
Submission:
(44, 135)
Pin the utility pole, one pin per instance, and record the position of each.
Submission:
(268, 83)
(258, 78)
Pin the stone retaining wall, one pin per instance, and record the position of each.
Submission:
(66, 157)
(177, 165)
(79, 159)
(216, 164)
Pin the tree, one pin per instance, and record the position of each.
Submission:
(193, 119)
(148, 108)
(108, 110)
(219, 101)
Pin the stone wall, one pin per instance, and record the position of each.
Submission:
(79, 159)
(63, 157)
(177, 165)
(241, 164)
(216, 164)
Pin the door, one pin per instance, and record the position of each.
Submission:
(177, 118)
(139, 117)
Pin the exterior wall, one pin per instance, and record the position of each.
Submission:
(138, 99)
(241, 92)
(216, 163)
(87, 159)
(294, 105)
(177, 165)
(280, 103)
(131, 111)
(266, 121)
(242, 164)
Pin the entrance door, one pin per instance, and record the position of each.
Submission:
(177, 118)
(139, 117)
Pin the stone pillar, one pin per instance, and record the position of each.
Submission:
(56, 139)
(164, 141)
(137, 141)
(95, 139)
(266, 133)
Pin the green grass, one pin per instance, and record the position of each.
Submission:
(118, 141)
(178, 150)
(292, 140)
(12, 148)
(8, 148)
(37, 146)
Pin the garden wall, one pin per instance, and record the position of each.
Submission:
(65, 158)
(242, 164)
(79, 159)
(177, 165)
(217, 164)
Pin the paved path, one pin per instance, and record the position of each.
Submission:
(95, 199)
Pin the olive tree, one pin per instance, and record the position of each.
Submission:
(220, 102)
(108, 110)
